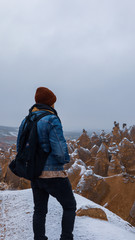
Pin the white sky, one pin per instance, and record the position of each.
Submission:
(83, 50)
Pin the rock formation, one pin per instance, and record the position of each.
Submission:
(95, 139)
(115, 166)
(84, 140)
(116, 133)
(131, 132)
(102, 161)
(93, 153)
(92, 212)
(92, 187)
(127, 155)
(121, 197)
(6, 176)
(108, 176)
(84, 153)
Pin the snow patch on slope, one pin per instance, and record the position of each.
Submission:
(16, 209)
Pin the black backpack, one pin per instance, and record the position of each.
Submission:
(30, 159)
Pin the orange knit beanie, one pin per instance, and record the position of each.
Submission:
(45, 96)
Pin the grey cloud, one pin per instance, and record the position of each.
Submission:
(83, 50)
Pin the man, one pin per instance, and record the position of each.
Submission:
(53, 180)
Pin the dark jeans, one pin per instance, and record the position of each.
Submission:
(60, 188)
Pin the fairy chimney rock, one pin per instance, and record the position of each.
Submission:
(102, 161)
(116, 133)
(127, 155)
(84, 140)
(95, 140)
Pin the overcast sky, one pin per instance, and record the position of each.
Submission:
(83, 50)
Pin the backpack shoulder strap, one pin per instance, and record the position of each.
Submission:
(29, 119)
(37, 118)
(29, 122)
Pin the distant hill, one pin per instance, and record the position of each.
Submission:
(76, 134)
(8, 135)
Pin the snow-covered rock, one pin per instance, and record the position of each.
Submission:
(16, 210)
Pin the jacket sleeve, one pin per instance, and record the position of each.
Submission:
(57, 141)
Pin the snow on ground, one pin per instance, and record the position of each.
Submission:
(16, 209)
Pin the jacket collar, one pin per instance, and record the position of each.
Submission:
(43, 107)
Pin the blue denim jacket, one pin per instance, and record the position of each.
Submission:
(50, 135)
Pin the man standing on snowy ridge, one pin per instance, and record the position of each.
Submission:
(53, 180)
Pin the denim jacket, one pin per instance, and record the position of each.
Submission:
(50, 135)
